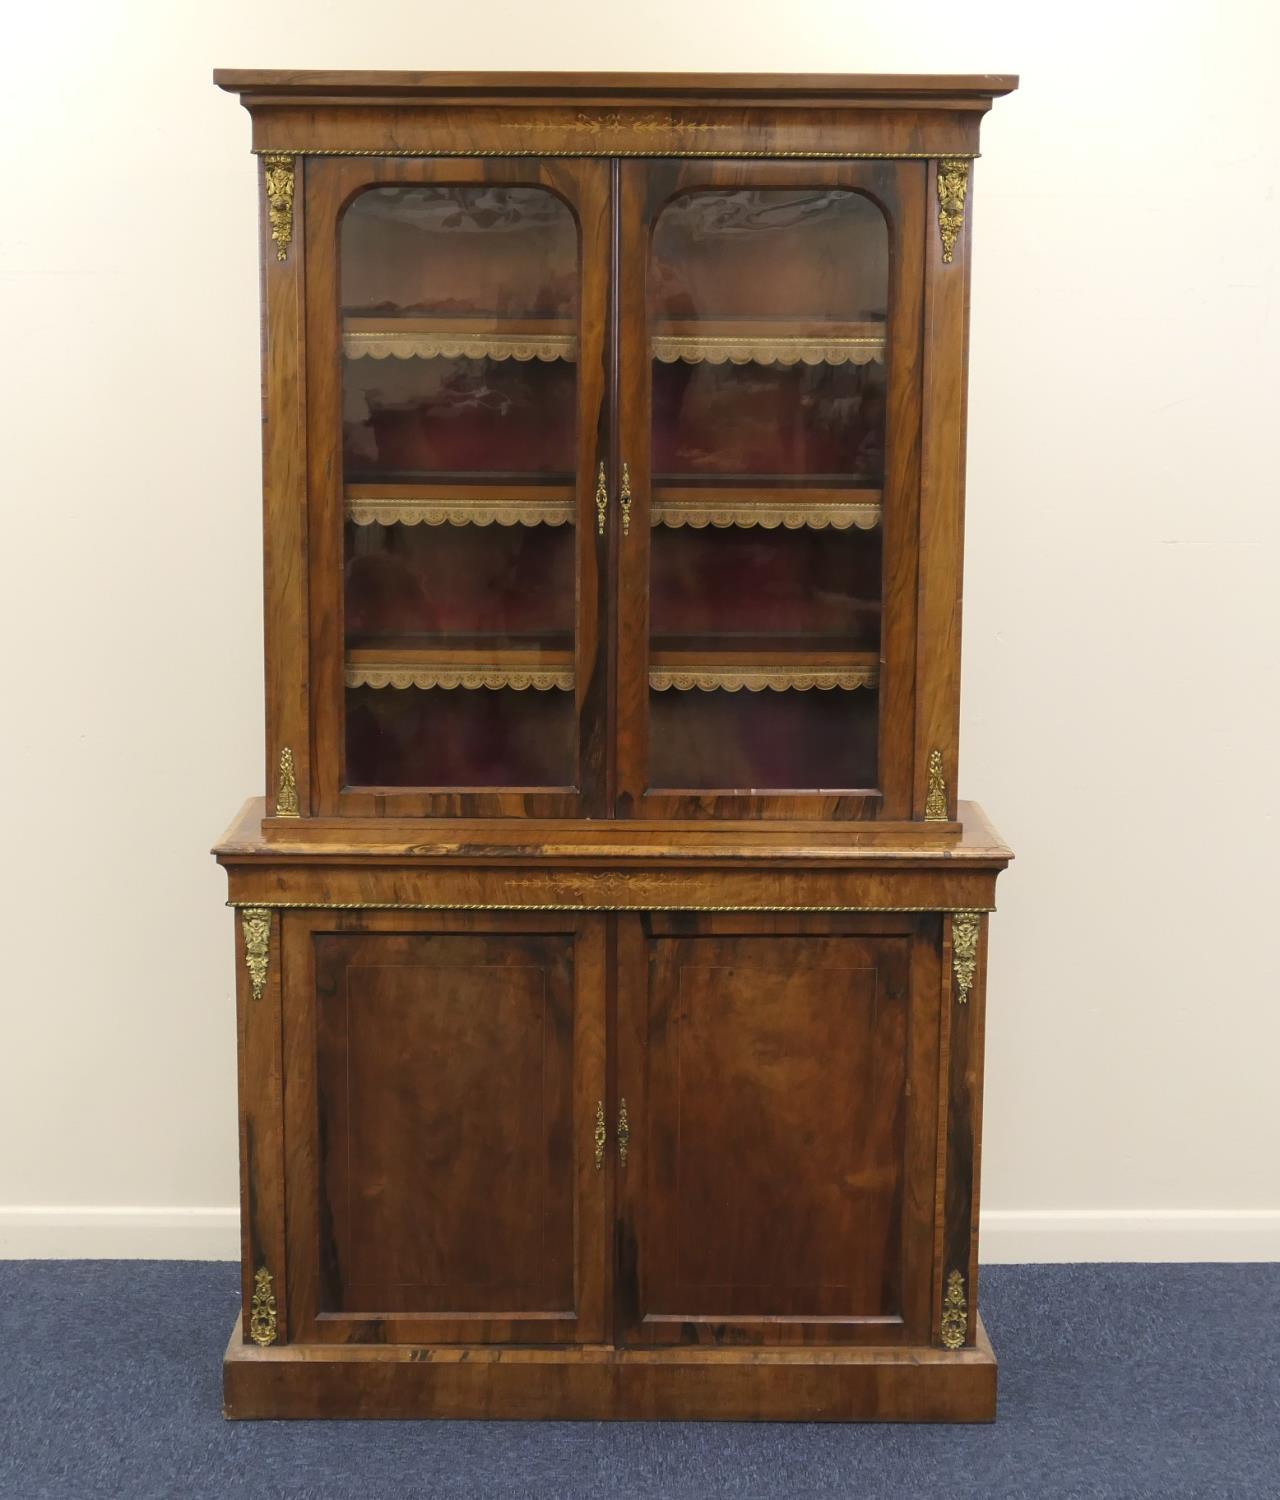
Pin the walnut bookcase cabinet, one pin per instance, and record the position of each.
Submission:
(611, 945)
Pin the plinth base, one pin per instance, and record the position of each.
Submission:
(594, 1383)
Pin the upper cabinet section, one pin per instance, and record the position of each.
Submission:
(614, 443)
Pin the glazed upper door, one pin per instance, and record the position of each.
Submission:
(446, 1072)
(456, 323)
(768, 468)
(779, 1075)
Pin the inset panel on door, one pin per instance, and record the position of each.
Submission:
(769, 1080)
(454, 1146)
(445, 1092)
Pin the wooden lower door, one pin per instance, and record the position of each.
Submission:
(780, 1075)
(443, 1077)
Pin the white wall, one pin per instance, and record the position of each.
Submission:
(1120, 719)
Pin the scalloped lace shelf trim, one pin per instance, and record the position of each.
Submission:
(493, 678)
(863, 515)
(670, 349)
(460, 512)
(729, 681)
(466, 346)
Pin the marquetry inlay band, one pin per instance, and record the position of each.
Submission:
(394, 152)
(584, 906)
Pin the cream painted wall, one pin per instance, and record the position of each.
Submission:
(1122, 629)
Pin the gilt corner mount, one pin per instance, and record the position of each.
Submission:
(278, 174)
(953, 188)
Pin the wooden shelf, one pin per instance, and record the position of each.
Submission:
(407, 337)
(792, 508)
(460, 504)
(768, 341)
(800, 670)
(542, 667)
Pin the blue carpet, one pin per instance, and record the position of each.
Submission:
(1114, 1381)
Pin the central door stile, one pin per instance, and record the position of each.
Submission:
(635, 188)
(628, 1017)
(610, 449)
(587, 186)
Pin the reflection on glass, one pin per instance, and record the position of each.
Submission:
(806, 585)
(459, 341)
(767, 324)
(439, 737)
(745, 741)
(468, 580)
(776, 421)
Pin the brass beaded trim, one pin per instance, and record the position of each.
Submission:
(710, 155)
(579, 906)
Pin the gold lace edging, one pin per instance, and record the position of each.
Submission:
(863, 515)
(460, 512)
(669, 350)
(495, 677)
(710, 680)
(497, 346)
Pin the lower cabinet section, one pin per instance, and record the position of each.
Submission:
(608, 1164)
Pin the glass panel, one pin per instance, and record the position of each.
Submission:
(459, 334)
(767, 322)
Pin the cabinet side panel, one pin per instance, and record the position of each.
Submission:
(966, 1000)
(258, 992)
(901, 188)
(284, 490)
(942, 502)
(326, 190)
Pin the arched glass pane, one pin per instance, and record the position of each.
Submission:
(459, 341)
(768, 315)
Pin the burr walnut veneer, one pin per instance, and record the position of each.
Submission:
(610, 943)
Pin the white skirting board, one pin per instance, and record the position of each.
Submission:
(1052, 1236)
(38, 1233)
(1009, 1236)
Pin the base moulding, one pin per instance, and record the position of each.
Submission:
(594, 1383)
